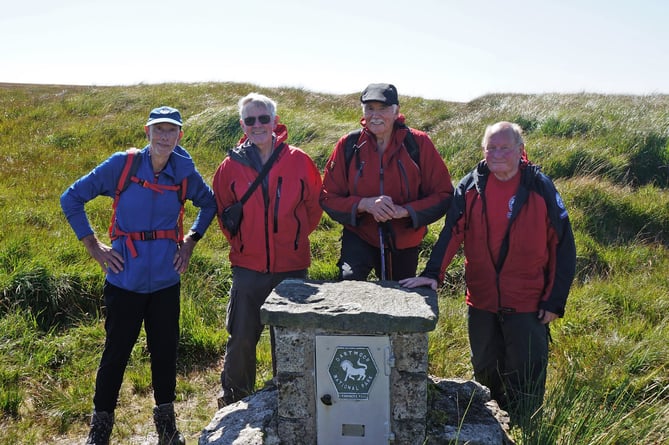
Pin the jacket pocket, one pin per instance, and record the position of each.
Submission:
(298, 222)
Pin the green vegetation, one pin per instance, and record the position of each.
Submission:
(608, 379)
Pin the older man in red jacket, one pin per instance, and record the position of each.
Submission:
(520, 259)
(385, 192)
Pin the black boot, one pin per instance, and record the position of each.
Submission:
(101, 428)
(165, 420)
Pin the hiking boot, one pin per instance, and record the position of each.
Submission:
(101, 428)
(229, 396)
(165, 421)
(224, 398)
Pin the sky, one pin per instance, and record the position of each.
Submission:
(454, 50)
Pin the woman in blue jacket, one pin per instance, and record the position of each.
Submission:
(148, 253)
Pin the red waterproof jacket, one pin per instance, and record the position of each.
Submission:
(425, 190)
(274, 232)
(537, 260)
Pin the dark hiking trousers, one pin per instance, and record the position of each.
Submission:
(125, 313)
(510, 356)
(248, 292)
(358, 258)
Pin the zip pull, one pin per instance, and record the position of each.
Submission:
(381, 180)
(381, 173)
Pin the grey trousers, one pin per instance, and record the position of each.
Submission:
(510, 356)
(248, 292)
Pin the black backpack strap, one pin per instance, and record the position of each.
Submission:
(411, 145)
(528, 176)
(351, 148)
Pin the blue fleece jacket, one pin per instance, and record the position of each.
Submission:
(142, 209)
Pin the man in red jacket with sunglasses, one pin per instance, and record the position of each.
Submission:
(272, 240)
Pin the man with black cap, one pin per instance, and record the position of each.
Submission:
(385, 184)
(144, 263)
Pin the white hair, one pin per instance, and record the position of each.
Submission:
(257, 98)
(498, 127)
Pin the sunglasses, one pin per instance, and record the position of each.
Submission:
(264, 119)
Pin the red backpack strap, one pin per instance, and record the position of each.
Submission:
(180, 189)
(182, 198)
(129, 169)
(128, 174)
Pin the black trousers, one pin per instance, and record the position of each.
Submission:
(510, 356)
(125, 313)
(358, 258)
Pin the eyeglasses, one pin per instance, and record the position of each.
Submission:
(501, 151)
(263, 119)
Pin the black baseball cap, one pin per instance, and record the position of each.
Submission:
(380, 92)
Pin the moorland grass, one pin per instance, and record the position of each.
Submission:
(608, 376)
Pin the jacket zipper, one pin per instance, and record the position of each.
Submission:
(381, 183)
(358, 175)
(276, 205)
(406, 179)
(265, 194)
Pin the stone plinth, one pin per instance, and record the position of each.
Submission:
(298, 311)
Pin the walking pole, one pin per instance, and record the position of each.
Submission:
(383, 254)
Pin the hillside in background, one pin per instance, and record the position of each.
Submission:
(609, 157)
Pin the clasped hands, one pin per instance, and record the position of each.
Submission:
(382, 208)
